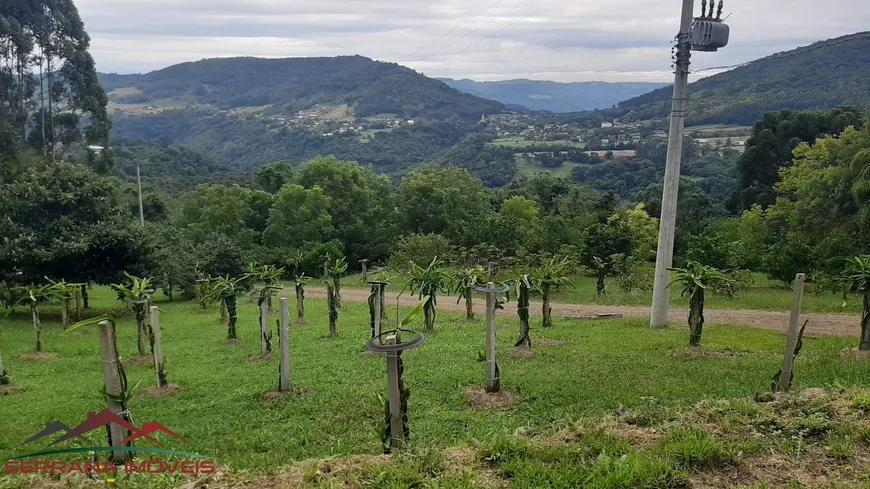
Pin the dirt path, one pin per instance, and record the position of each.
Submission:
(820, 324)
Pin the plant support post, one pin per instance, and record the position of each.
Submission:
(284, 347)
(157, 348)
(34, 312)
(114, 387)
(265, 346)
(394, 386)
(493, 383)
(4, 378)
(791, 339)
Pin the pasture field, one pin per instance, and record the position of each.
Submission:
(608, 404)
(524, 143)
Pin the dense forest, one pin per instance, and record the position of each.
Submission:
(821, 76)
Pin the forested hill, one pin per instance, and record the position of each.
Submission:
(553, 96)
(367, 87)
(821, 76)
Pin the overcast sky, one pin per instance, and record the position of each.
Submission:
(562, 40)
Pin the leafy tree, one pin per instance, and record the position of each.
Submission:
(220, 256)
(856, 278)
(46, 47)
(428, 282)
(465, 281)
(773, 140)
(441, 201)
(299, 216)
(137, 293)
(695, 279)
(65, 222)
(216, 209)
(272, 178)
(420, 249)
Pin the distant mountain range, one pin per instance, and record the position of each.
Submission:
(821, 76)
(553, 96)
(366, 87)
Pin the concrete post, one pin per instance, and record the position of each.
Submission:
(264, 328)
(4, 379)
(34, 312)
(377, 304)
(791, 339)
(284, 347)
(157, 348)
(397, 430)
(64, 312)
(492, 380)
(114, 386)
(78, 305)
(667, 225)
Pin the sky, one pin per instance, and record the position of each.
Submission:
(560, 40)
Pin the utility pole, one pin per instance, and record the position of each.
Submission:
(139, 182)
(667, 225)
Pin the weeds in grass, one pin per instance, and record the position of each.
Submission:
(690, 447)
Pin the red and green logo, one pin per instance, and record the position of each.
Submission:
(26, 464)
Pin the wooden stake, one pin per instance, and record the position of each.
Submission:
(791, 339)
(64, 312)
(36, 327)
(397, 430)
(284, 347)
(78, 305)
(114, 385)
(157, 348)
(264, 328)
(376, 301)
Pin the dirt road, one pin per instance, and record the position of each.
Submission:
(820, 324)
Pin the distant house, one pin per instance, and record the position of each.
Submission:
(96, 149)
(741, 143)
(605, 141)
(410, 122)
(606, 125)
(703, 140)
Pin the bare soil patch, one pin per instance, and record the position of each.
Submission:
(774, 470)
(256, 358)
(138, 360)
(276, 394)
(820, 324)
(701, 352)
(233, 342)
(160, 391)
(300, 321)
(547, 341)
(37, 355)
(479, 399)
(7, 389)
(521, 351)
(854, 352)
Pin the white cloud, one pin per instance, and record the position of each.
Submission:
(567, 41)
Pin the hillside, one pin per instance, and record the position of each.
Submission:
(553, 96)
(366, 87)
(821, 76)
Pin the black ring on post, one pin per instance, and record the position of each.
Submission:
(407, 345)
(379, 283)
(496, 290)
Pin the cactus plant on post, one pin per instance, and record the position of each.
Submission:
(301, 282)
(523, 285)
(157, 348)
(856, 278)
(226, 289)
(335, 272)
(466, 279)
(32, 296)
(65, 293)
(428, 282)
(270, 276)
(553, 273)
(695, 279)
(4, 377)
(332, 307)
(138, 294)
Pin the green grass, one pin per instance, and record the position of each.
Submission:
(765, 295)
(601, 367)
(525, 143)
(529, 168)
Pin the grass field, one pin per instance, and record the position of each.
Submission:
(524, 143)
(589, 371)
(529, 168)
(765, 295)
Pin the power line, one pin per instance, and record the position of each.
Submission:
(491, 35)
(454, 29)
(471, 32)
(796, 52)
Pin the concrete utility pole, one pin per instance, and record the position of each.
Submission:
(667, 226)
(139, 182)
